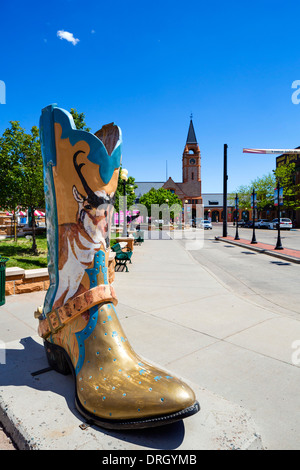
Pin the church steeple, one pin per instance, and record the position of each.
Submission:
(190, 188)
(191, 159)
(191, 138)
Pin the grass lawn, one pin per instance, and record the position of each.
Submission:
(19, 253)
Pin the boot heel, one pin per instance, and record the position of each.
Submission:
(56, 357)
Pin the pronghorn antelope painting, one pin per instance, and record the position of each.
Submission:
(80, 241)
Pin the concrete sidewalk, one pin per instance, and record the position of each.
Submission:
(236, 356)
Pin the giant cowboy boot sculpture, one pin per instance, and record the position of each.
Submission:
(114, 388)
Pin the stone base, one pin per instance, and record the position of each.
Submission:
(21, 281)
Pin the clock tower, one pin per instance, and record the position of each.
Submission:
(189, 191)
(191, 158)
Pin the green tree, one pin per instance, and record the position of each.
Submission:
(160, 196)
(11, 145)
(32, 195)
(264, 189)
(79, 120)
(21, 171)
(285, 174)
(244, 194)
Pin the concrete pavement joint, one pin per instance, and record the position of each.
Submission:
(242, 296)
(237, 346)
(185, 303)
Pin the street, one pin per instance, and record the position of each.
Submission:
(268, 281)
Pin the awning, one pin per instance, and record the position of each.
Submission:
(39, 213)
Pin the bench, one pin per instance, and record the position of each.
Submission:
(138, 237)
(129, 241)
(122, 257)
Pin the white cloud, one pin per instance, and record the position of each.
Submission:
(67, 36)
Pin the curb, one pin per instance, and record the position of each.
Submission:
(292, 259)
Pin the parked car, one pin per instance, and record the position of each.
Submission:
(197, 221)
(206, 225)
(249, 224)
(284, 224)
(266, 224)
(241, 223)
(262, 223)
(259, 222)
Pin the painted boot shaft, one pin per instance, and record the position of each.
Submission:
(115, 388)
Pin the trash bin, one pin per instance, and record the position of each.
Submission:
(3, 262)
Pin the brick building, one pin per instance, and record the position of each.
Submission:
(213, 207)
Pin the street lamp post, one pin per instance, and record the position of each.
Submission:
(185, 217)
(237, 217)
(278, 243)
(124, 178)
(253, 241)
(225, 178)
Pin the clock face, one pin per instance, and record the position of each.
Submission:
(192, 161)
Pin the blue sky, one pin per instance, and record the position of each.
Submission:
(147, 65)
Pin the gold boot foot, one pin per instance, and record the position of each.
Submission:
(115, 388)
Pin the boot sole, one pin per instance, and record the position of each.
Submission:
(60, 361)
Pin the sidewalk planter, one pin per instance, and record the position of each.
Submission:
(3, 262)
(20, 281)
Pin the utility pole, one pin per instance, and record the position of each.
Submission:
(225, 192)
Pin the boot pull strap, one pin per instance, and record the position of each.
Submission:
(59, 317)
